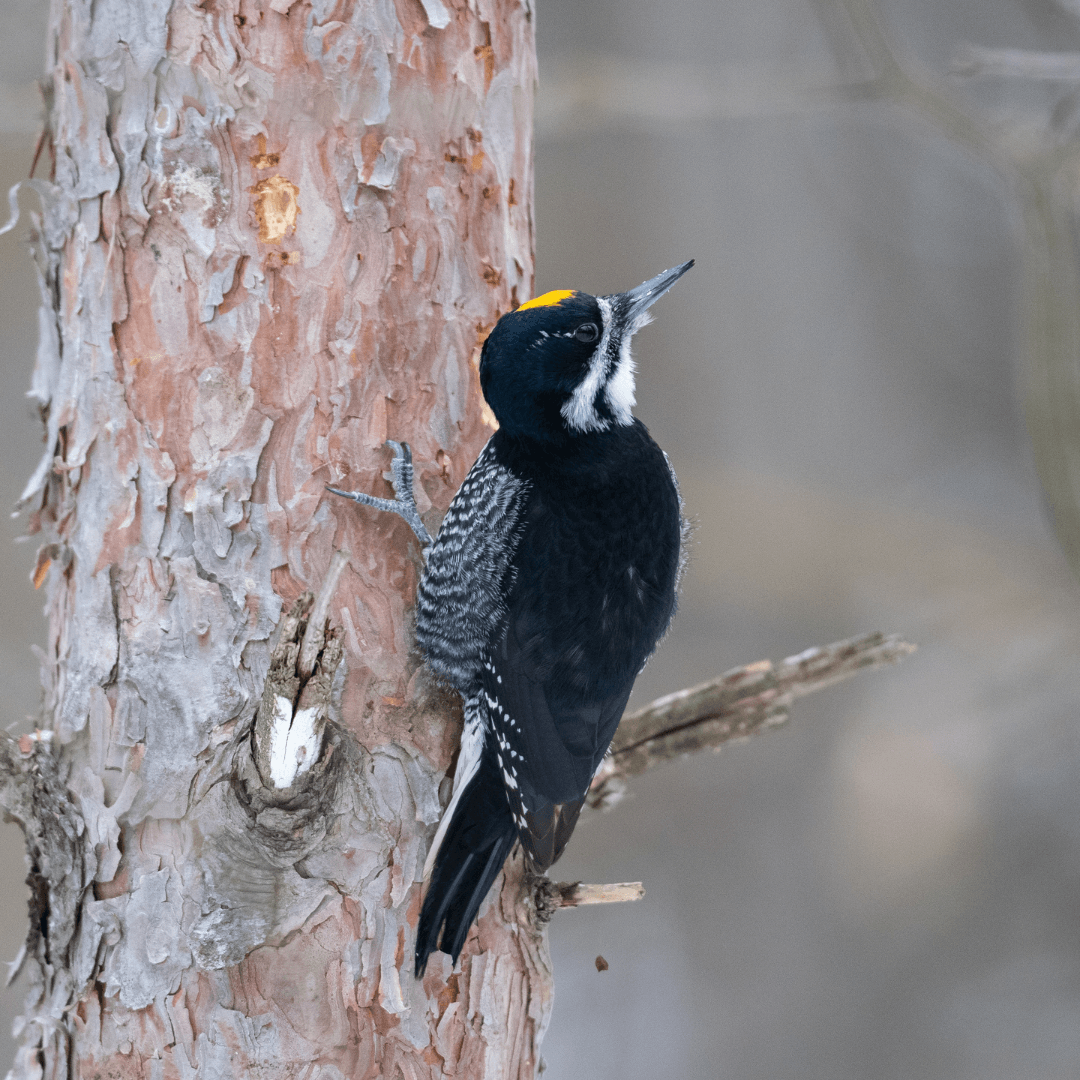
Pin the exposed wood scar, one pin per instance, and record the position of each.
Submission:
(276, 208)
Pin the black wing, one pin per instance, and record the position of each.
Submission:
(548, 744)
(555, 682)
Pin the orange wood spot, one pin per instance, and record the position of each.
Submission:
(263, 160)
(276, 208)
(40, 572)
(282, 258)
(486, 54)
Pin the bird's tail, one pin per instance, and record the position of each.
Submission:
(478, 836)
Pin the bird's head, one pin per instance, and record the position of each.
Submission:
(560, 365)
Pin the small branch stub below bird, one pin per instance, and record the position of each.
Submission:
(577, 894)
(550, 896)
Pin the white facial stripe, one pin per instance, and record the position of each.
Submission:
(619, 391)
(579, 412)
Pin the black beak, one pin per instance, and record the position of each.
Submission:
(636, 301)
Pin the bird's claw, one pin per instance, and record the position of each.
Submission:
(404, 505)
(401, 469)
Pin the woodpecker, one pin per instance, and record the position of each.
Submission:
(552, 578)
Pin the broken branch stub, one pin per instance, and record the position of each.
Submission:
(578, 894)
(35, 795)
(315, 634)
(290, 725)
(740, 703)
(549, 896)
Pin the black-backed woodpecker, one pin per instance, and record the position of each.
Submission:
(551, 579)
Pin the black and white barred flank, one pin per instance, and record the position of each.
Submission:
(462, 592)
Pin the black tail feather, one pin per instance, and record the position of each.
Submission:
(547, 832)
(473, 850)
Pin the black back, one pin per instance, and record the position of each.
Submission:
(589, 592)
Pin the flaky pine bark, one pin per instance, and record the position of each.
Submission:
(275, 234)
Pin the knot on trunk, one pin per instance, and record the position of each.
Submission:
(290, 749)
(287, 785)
(34, 794)
(288, 824)
(546, 897)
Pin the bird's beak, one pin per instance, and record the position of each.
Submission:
(638, 301)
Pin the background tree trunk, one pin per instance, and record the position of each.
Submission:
(275, 235)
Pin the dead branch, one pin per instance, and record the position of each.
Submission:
(578, 894)
(741, 703)
(550, 896)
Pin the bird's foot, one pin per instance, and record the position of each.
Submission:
(404, 505)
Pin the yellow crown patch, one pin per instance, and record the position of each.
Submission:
(549, 299)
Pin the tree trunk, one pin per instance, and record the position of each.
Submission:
(276, 234)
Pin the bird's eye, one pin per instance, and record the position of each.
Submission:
(587, 332)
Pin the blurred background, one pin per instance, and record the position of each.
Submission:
(888, 887)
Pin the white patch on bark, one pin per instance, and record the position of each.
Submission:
(294, 742)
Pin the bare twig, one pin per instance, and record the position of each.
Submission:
(577, 894)
(742, 702)
(550, 896)
(1038, 166)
